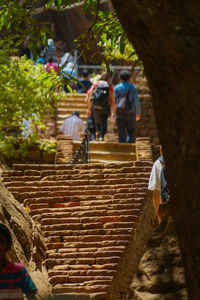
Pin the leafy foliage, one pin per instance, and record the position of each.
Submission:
(26, 94)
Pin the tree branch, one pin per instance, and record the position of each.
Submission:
(54, 7)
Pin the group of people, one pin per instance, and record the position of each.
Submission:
(120, 103)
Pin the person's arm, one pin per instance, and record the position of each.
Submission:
(137, 104)
(27, 285)
(112, 98)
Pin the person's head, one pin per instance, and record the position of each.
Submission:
(50, 60)
(85, 73)
(125, 75)
(5, 240)
(104, 76)
(76, 113)
(50, 42)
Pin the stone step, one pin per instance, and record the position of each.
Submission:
(89, 219)
(83, 212)
(80, 261)
(85, 182)
(108, 147)
(87, 280)
(80, 226)
(76, 105)
(76, 190)
(69, 110)
(79, 288)
(102, 273)
(145, 165)
(112, 156)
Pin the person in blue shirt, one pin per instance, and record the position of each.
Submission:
(85, 84)
(128, 109)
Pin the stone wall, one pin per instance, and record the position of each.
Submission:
(147, 125)
(129, 263)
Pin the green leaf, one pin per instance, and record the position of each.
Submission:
(59, 3)
(49, 3)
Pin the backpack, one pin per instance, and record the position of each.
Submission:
(100, 96)
(164, 189)
(122, 101)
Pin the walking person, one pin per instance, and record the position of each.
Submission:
(158, 184)
(128, 109)
(84, 83)
(102, 101)
(73, 127)
(14, 278)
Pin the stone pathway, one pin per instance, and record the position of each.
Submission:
(95, 219)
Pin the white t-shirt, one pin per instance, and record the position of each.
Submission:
(73, 127)
(155, 177)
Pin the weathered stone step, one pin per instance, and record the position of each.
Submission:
(69, 110)
(73, 182)
(66, 254)
(112, 147)
(88, 280)
(65, 191)
(83, 213)
(97, 273)
(105, 168)
(112, 156)
(79, 288)
(90, 219)
(79, 226)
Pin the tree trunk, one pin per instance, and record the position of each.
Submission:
(166, 36)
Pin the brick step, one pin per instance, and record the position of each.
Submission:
(92, 252)
(74, 105)
(86, 255)
(34, 191)
(87, 280)
(65, 199)
(112, 147)
(123, 233)
(80, 226)
(104, 167)
(72, 182)
(93, 210)
(97, 273)
(79, 288)
(65, 191)
(91, 263)
(76, 211)
(68, 110)
(58, 204)
(89, 219)
(112, 156)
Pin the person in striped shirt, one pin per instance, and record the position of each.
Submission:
(14, 279)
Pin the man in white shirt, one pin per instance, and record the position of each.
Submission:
(73, 127)
(155, 184)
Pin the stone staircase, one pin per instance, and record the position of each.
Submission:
(95, 219)
(77, 102)
(69, 104)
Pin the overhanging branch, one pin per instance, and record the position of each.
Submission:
(54, 7)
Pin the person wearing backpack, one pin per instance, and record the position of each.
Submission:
(128, 109)
(158, 184)
(102, 101)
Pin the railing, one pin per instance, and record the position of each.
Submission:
(82, 155)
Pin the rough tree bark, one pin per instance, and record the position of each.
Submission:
(166, 36)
